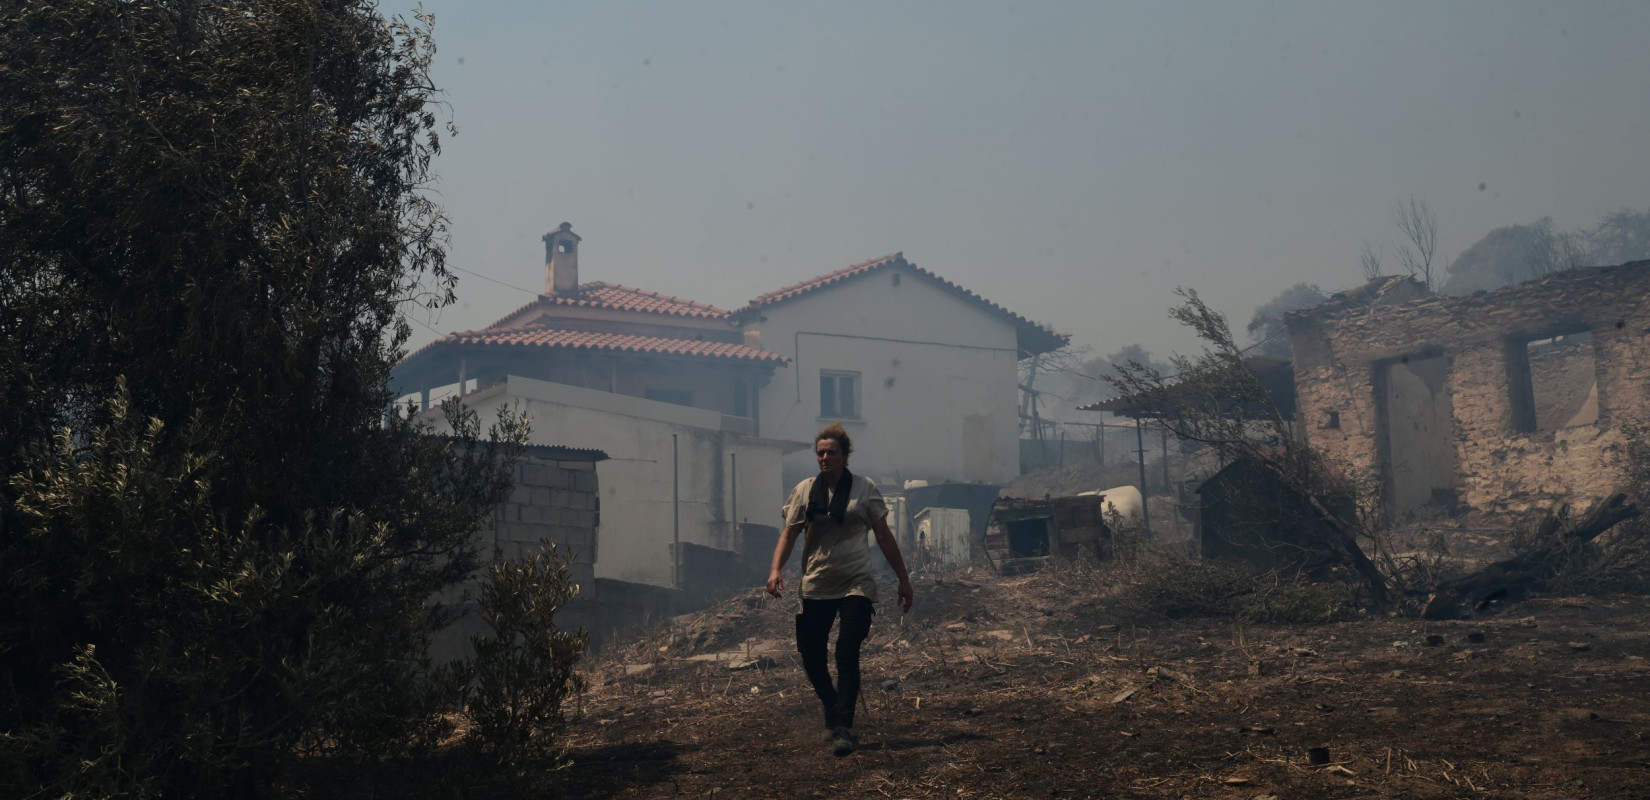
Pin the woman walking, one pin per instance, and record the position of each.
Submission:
(836, 508)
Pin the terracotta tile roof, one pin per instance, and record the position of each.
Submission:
(822, 281)
(1044, 338)
(623, 298)
(609, 342)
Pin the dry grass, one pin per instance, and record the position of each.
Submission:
(1045, 684)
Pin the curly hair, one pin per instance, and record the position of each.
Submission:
(836, 432)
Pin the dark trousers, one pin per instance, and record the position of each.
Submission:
(813, 632)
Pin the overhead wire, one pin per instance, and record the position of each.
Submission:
(420, 323)
(497, 281)
(475, 274)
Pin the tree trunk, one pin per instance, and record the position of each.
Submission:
(1526, 572)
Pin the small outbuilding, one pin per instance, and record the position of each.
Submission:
(1248, 513)
(1024, 534)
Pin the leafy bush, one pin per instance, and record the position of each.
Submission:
(523, 670)
(199, 653)
(215, 544)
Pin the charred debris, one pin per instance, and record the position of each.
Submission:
(1402, 412)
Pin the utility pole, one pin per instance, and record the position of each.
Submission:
(1145, 496)
(1168, 488)
(675, 514)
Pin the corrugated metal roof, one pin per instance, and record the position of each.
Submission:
(556, 452)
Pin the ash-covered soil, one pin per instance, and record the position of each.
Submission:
(1039, 686)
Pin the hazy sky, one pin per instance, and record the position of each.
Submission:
(1072, 161)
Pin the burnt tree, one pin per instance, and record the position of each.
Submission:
(1515, 578)
(1218, 400)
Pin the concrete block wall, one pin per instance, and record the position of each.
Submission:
(625, 605)
(1340, 351)
(710, 574)
(756, 546)
(554, 500)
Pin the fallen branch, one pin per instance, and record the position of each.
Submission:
(1514, 578)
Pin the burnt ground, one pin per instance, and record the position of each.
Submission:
(1040, 686)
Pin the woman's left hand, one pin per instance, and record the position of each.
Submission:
(905, 596)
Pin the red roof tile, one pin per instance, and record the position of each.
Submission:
(610, 342)
(622, 298)
(1049, 338)
(821, 281)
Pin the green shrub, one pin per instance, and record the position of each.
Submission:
(181, 653)
(215, 545)
(523, 670)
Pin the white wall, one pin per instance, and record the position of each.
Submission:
(938, 381)
(634, 538)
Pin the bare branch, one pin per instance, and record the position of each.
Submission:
(1419, 225)
(1549, 250)
(1369, 260)
(1216, 399)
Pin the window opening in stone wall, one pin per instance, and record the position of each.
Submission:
(839, 395)
(680, 397)
(1553, 382)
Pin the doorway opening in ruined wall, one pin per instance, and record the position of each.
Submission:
(1415, 418)
(1552, 380)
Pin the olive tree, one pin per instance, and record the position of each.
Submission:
(216, 546)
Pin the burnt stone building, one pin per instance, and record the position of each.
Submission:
(1497, 402)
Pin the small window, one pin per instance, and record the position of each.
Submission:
(564, 246)
(1330, 420)
(839, 395)
(680, 397)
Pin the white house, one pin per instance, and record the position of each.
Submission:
(706, 415)
(922, 372)
(672, 472)
(663, 386)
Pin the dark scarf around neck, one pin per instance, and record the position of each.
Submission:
(838, 505)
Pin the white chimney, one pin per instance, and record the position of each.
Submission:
(561, 261)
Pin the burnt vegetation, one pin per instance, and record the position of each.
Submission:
(1216, 401)
(1296, 519)
(221, 555)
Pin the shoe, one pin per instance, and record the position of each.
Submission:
(843, 741)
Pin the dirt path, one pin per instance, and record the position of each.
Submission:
(1027, 687)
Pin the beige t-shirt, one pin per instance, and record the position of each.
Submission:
(836, 557)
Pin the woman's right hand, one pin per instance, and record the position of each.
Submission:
(776, 584)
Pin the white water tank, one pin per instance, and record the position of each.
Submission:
(1124, 501)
